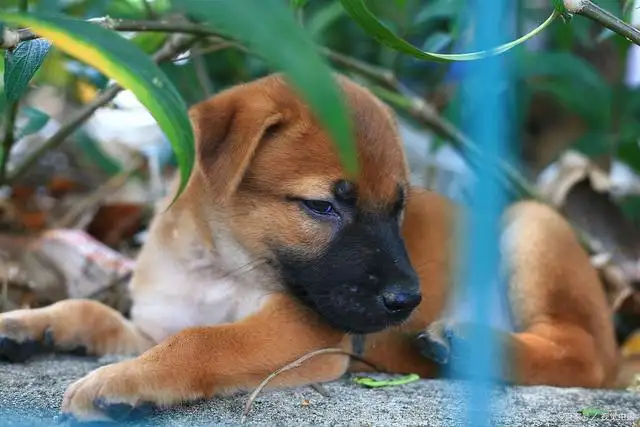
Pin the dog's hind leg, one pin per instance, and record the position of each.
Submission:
(69, 326)
(563, 333)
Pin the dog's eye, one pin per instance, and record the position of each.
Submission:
(319, 207)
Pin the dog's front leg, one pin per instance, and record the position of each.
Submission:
(69, 326)
(206, 361)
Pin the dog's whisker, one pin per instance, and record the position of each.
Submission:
(244, 269)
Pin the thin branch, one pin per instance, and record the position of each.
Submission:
(215, 47)
(173, 47)
(97, 196)
(151, 14)
(4, 290)
(401, 97)
(581, 7)
(424, 113)
(592, 11)
(9, 138)
(295, 364)
(381, 75)
(13, 37)
(10, 120)
(77, 119)
(394, 93)
(202, 75)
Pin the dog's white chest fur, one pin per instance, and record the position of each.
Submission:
(176, 294)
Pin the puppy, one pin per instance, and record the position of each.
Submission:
(272, 252)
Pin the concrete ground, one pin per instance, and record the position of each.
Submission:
(30, 395)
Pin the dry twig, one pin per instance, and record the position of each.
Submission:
(4, 292)
(296, 363)
(98, 195)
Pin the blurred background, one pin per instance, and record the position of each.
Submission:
(72, 221)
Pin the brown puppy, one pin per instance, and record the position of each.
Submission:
(271, 253)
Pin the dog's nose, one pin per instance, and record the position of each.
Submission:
(401, 301)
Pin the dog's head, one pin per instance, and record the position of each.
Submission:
(273, 172)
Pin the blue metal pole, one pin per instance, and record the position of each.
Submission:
(484, 95)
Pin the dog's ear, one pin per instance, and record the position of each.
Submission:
(228, 129)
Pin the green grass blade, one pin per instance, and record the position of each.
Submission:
(269, 29)
(359, 12)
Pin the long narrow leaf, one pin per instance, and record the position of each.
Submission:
(358, 10)
(269, 29)
(128, 65)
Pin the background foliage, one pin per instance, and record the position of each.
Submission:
(558, 68)
(61, 117)
(571, 92)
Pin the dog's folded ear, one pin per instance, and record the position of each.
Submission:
(228, 130)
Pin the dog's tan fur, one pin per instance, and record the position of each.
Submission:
(209, 317)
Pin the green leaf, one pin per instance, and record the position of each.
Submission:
(568, 77)
(21, 64)
(373, 383)
(3, 103)
(95, 154)
(592, 412)
(298, 4)
(630, 155)
(122, 61)
(3, 53)
(134, 9)
(36, 120)
(437, 42)
(630, 207)
(439, 9)
(149, 41)
(596, 113)
(284, 46)
(593, 144)
(358, 10)
(563, 65)
(559, 6)
(322, 19)
(48, 6)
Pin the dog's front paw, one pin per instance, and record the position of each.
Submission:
(442, 340)
(110, 393)
(23, 335)
(435, 342)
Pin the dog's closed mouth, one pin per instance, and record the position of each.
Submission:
(350, 315)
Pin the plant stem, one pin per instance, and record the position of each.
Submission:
(9, 139)
(424, 113)
(173, 47)
(580, 7)
(381, 75)
(77, 119)
(395, 93)
(151, 14)
(592, 11)
(10, 122)
(166, 26)
(415, 106)
(612, 22)
(201, 73)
